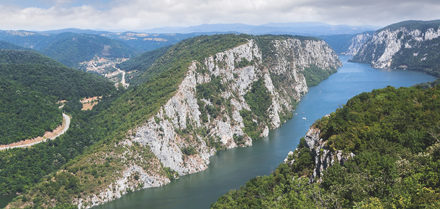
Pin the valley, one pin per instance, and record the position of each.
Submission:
(231, 169)
(209, 119)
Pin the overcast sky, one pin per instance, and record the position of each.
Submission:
(120, 15)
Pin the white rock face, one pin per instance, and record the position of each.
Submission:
(357, 42)
(381, 49)
(183, 141)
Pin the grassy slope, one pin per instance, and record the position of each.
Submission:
(395, 136)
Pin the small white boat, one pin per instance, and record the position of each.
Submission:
(304, 118)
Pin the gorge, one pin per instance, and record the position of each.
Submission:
(232, 168)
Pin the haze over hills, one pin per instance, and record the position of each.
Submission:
(300, 28)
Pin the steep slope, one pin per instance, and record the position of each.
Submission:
(204, 94)
(357, 42)
(25, 113)
(381, 150)
(71, 49)
(407, 45)
(45, 75)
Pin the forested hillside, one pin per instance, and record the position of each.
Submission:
(45, 75)
(25, 113)
(30, 87)
(392, 136)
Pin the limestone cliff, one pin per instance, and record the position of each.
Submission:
(185, 131)
(408, 45)
(357, 42)
(224, 100)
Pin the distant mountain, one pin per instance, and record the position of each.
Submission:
(304, 28)
(339, 43)
(72, 48)
(6, 45)
(150, 41)
(410, 45)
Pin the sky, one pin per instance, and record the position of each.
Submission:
(138, 15)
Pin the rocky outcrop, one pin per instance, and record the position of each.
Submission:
(323, 157)
(357, 42)
(408, 45)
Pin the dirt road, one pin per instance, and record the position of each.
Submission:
(49, 135)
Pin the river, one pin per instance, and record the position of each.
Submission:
(232, 168)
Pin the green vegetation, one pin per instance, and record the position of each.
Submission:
(259, 100)
(42, 74)
(141, 63)
(90, 155)
(94, 136)
(314, 75)
(71, 49)
(426, 59)
(212, 92)
(25, 113)
(30, 86)
(394, 134)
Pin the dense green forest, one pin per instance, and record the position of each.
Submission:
(71, 48)
(30, 86)
(25, 113)
(394, 134)
(45, 75)
(21, 168)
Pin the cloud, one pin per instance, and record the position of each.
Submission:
(143, 14)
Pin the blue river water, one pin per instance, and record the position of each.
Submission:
(231, 169)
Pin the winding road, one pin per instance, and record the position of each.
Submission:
(60, 130)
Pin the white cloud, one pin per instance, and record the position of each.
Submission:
(143, 14)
